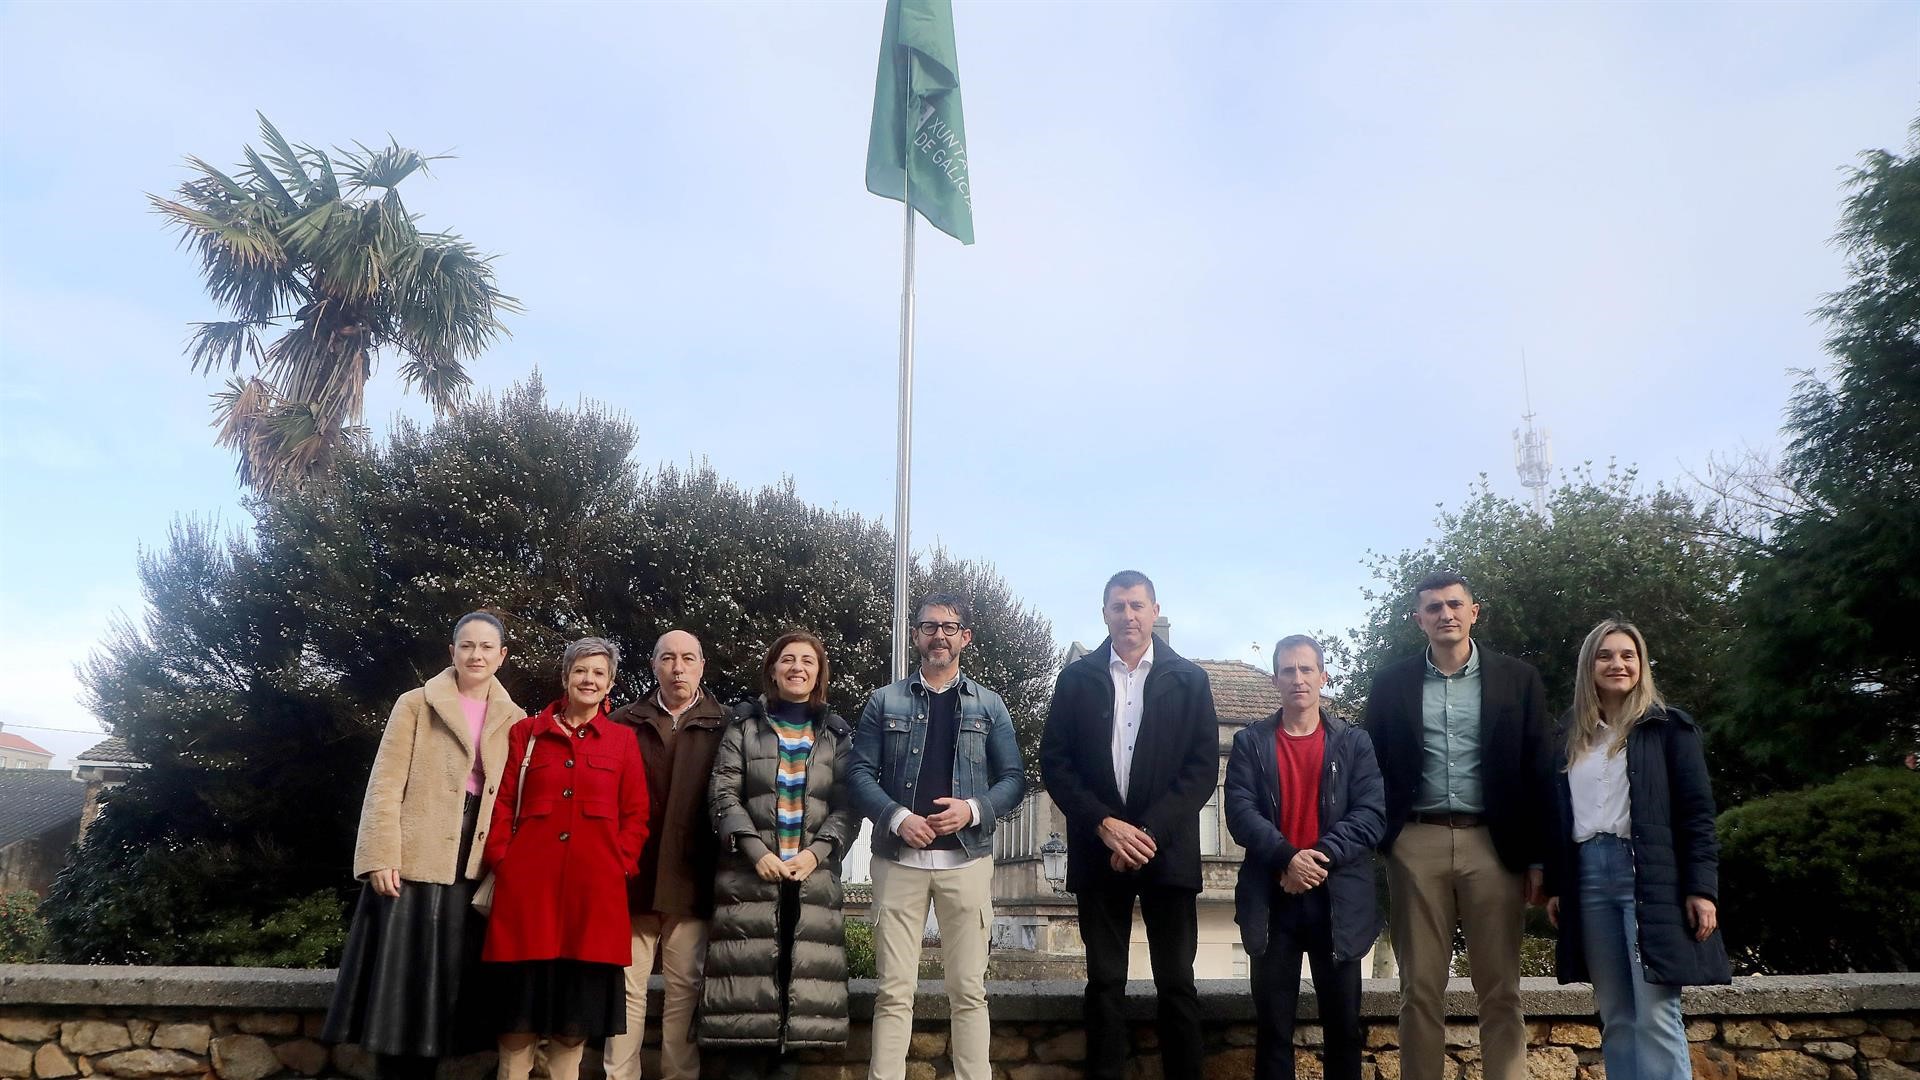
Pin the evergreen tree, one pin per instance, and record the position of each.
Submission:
(258, 681)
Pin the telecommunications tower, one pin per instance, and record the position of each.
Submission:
(1532, 448)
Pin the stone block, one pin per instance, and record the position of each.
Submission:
(243, 1057)
(1071, 1046)
(1711, 1062)
(920, 1070)
(94, 1036)
(1875, 1046)
(1551, 1063)
(1749, 1035)
(1701, 1030)
(1897, 1028)
(1584, 1036)
(1472, 1066)
(1781, 1065)
(1595, 1071)
(192, 1038)
(1538, 1032)
(142, 1063)
(142, 1031)
(834, 1071)
(1008, 1048)
(1242, 1035)
(1908, 1052)
(1305, 1035)
(225, 1024)
(15, 1061)
(1386, 1065)
(1456, 1035)
(1039, 1071)
(1832, 1051)
(1841, 1072)
(1145, 1067)
(303, 1056)
(1887, 1070)
(1379, 1035)
(50, 1061)
(1307, 1065)
(1234, 1064)
(926, 1045)
(354, 1062)
(312, 1024)
(1827, 1027)
(85, 1063)
(23, 1029)
(265, 1023)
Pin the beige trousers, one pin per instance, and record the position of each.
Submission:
(682, 941)
(1440, 875)
(963, 900)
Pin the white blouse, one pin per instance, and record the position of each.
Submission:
(1599, 783)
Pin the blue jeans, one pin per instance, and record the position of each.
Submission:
(1641, 1033)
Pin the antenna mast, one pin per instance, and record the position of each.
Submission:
(1532, 448)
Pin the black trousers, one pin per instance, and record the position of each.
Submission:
(1173, 937)
(1303, 925)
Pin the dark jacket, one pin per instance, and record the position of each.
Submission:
(741, 999)
(1514, 751)
(1675, 854)
(889, 746)
(1176, 764)
(676, 866)
(1353, 813)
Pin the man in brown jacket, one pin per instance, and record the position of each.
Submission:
(671, 897)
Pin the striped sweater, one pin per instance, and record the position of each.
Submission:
(794, 730)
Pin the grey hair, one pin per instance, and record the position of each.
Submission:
(577, 651)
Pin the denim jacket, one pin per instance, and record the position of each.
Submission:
(888, 744)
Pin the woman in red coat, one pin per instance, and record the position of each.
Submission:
(567, 831)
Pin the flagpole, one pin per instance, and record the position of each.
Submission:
(903, 467)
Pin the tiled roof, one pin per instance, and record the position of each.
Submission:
(10, 741)
(33, 801)
(108, 752)
(1241, 691)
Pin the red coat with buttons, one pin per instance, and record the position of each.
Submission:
(560, 876)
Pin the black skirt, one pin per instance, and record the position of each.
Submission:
(568, 999)
(408, 975)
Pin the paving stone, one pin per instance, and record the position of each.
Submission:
(21, 1029)
(243, 1057)
(50, 1061)
(15, 1061)
(1832, 1051)
(94, 1036)
(192, 1038)
(142, 1063)
(1781, 1065)
(1551, 1063)
(1585, 1036)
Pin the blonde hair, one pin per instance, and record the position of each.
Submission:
(1586, 698)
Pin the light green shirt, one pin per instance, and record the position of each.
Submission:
(1450, 739)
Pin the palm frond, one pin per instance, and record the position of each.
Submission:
(286, 161)
(215, 342)
(264, 178)
(384, 167)
(441, 379)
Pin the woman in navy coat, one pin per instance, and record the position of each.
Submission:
(1633, 878)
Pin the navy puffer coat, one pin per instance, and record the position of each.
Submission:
(1675, 854)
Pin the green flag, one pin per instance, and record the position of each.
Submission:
(918, 148)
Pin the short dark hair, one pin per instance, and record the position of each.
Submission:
(1127, 579)
(951, 601)
(1440, 579)
(1294, 641)
(487, 617)
(771, 688)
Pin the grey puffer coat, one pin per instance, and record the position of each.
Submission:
(742, 1003)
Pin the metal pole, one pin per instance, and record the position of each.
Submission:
(903, 472)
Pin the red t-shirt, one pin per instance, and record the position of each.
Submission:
(1301, 757)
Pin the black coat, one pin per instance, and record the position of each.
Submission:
(1353, 812)
(1176, 765)
(1514, 751)
(1675, 854)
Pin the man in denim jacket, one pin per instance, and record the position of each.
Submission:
(934, 765)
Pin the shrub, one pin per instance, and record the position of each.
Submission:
(303, 933)
(1824, 879)
(23, 934)
(860, 959)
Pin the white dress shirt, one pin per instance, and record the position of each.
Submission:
(1599, 784)
(1129, 688)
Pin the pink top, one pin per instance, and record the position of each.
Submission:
(476, 719)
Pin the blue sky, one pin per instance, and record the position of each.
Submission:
(1250, 295)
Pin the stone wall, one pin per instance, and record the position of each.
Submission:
(252, 1024)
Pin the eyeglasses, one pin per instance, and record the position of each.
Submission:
(950, 629)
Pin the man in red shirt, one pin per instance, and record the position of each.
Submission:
(1305, 798)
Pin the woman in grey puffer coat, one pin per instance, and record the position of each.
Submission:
(776, 971)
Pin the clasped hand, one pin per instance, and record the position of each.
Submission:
(773, 868)
(954, 815)
(1306, 870)
(1130, 845)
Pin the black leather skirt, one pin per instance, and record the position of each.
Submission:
(407, 976)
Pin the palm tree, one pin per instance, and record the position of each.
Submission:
(320, 249)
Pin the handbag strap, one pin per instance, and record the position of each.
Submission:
(520, 785)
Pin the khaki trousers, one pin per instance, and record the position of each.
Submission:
(963, 899)
(1440, 875)
(682, 941)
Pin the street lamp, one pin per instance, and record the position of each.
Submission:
(1053, 863)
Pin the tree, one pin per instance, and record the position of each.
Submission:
(262, 672)
(1824, 879)
(1833, 659)
(322, 246)
(1605, 547)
